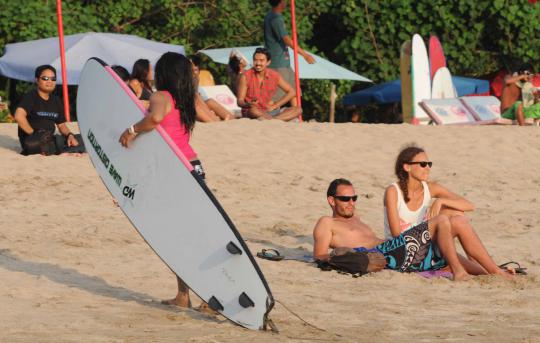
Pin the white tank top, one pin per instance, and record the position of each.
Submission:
(407, 218)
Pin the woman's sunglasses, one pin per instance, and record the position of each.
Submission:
(422, 164)
(46, 78)
(346, 198)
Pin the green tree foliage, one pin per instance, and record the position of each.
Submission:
(479, 37)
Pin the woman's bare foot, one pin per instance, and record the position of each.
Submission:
(181, 300)
(508, 273)
(204, 308)
(463, 276)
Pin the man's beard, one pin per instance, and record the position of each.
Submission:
(345, 213)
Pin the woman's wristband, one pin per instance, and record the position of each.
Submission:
(131, 130)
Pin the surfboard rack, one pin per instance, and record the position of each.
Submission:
(215, 304)
(245, 301)
(234, 249)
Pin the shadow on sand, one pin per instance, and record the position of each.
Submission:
(92, 284)
(10, 143)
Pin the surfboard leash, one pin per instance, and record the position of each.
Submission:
(305, 321)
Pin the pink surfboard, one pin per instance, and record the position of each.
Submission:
(436, 56)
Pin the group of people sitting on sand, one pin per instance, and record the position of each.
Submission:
(421, 220)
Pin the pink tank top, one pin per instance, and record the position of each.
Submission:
(177, 131)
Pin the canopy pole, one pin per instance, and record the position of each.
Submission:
(295, 45)
(333, 96)
(63, 59)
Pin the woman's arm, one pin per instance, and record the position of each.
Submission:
(159, 107)
(446, 199)
(390, 204)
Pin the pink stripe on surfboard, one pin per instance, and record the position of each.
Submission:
(161, 131)
(436, 56)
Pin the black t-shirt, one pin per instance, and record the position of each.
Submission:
(41, 114)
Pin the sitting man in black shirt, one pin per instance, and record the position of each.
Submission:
(38, 113)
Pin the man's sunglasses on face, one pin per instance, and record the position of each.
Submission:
(47, 78)
(346, 198)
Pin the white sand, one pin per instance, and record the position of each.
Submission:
(72, 268)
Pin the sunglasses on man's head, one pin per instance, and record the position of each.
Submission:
(47, 78)
(422, 164)
(346, 198)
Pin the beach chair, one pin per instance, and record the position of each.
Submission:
(224, 95)
(447, 111)
(487, 110)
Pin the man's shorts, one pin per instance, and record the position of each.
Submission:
(528, 112)
(412, 251)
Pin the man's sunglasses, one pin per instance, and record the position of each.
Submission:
(46, 78)
(422, 164)
(346, 198)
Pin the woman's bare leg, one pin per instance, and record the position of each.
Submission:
(182, 297)
(441, 232)
(219, 110)
(471, 243)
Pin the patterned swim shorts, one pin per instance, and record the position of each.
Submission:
(412, 251)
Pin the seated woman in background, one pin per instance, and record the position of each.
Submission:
(407, 204)
(140, 81)
(235, 68)
(208, 109)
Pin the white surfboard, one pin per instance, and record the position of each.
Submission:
(166, 201)
(421, 81)
(443, 87)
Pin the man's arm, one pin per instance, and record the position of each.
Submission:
(242, 91)
(70, 138)
(289, 94)
(288, 41)
(20, 118)
(513, 79)
(322, 237)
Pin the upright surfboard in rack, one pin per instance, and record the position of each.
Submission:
(436, 56)
(421, 81)
(442, 85)
(167, 202)
(405, 72)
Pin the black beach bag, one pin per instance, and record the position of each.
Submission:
(40, 142)
(355, 263)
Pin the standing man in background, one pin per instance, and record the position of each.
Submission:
(277, 41)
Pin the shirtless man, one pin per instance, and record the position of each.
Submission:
(511, 105)
(411, 251)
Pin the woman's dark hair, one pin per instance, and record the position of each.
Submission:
(234, 64)
(173, 74)
(405, 155)
(196, 60)
(332, 189)
(140, 72)
(121, 72)
(42, 68)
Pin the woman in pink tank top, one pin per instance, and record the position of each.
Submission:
(172, 107)
(406, 204)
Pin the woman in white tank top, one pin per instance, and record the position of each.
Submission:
(408, 202)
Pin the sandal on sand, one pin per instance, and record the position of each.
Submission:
(514, 265)
(270, 254)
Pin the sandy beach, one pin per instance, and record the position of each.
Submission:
(73, 269)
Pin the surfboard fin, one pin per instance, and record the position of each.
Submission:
(245, 301)
(234, 249)
(215, 304)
